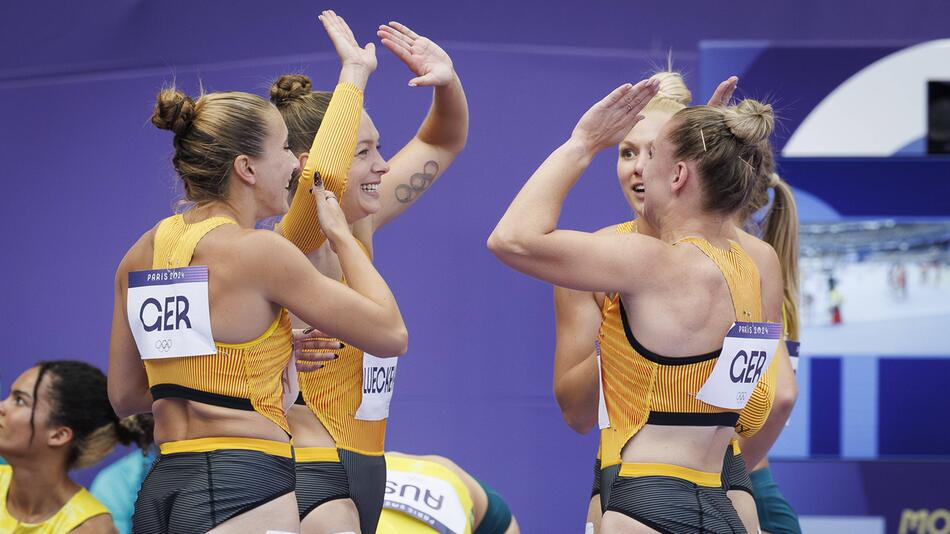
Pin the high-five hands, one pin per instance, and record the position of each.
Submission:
(431, 65)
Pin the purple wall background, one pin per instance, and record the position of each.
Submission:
(86, 174)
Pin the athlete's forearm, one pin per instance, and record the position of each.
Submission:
(446, 124)
(535, 210)
(330, 156)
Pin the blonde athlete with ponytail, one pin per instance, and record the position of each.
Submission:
(681, 300)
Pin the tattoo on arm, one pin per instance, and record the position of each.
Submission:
(418, 183)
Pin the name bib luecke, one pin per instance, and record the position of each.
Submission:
(379, 379)
(428, 499)
(746, 353)
(168, 312)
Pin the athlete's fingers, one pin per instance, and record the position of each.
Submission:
(404, 29)
(723, 93)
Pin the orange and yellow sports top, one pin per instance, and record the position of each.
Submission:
(334, 392)
(81, 507)
(642, 387)
(244, 376)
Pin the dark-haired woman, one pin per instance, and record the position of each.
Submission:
(679, 296)
(218, 396)
(56, 418)
(339, 430)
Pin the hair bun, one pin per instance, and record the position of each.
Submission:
(750, 121)
(173, 111)
(290, 87)
(672, 87)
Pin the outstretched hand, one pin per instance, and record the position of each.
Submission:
(723, 94)
(431, 65)
(350, 52)
(608, 121)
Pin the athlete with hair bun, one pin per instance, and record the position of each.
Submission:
(339, 422)
(669, 442)
(219, 395)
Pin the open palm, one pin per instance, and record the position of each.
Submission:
(431, 65)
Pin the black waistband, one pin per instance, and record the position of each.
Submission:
(300, 400)
(165, 391)
(693, 419)
(656, 358)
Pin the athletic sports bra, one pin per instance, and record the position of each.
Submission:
(77, 510)
(423, 497)
(642, 387)
(243, 376)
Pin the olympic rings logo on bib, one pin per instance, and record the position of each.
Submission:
(163, 345)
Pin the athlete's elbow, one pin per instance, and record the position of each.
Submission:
(395, 343)
(124, 402)
(506, 244)
(785, 400)
(579, 420)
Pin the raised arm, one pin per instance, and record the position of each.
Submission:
(527, 239)
(362, 312)
(443, 133)
(333, 146)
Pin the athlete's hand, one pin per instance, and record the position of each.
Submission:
(311, 346)
(431, 65)
(723, 94)
(608, 121)
(350, 52)
(330, 214)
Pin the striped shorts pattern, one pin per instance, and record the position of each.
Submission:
(196, 491)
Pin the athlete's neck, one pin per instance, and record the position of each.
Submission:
(38, 490)
(711, 227)
(221, 208)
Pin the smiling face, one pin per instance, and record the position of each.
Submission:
(15, 413)
(274, 169)
(366, 172)
(633, 156)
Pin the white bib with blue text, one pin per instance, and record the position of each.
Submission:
(168, 312)
(746, 353)
(428, 499)
(379, 379)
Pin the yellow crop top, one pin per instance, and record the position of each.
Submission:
(642, 387)
(244, 376)
(77, 510)
(394, 522)
(330, 157)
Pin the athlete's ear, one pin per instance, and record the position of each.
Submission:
(302, 159)
(681, 175)
(59, 436)
(244, 170)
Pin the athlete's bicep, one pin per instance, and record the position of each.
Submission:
(127, 382)
(412, 171)
(590, 262)
(577, 320)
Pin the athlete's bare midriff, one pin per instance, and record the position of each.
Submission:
(696, 447)
(181, 419)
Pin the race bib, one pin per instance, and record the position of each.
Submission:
(603, 419)
(168, 312)
(793, 347)
(428, 499)
(746, 353)
(379, 377)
